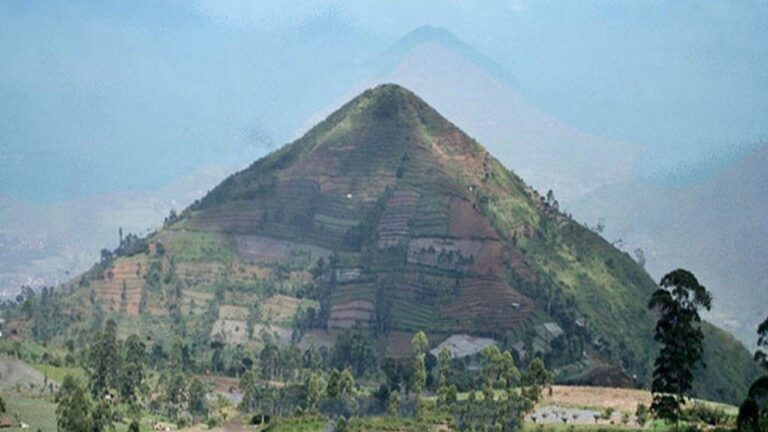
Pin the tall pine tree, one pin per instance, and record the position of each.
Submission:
(104, 365)
(678, 330)
(133, 368)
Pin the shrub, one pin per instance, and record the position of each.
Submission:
(710, 415)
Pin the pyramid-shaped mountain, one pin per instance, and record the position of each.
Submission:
(397, 191)
(388, 216)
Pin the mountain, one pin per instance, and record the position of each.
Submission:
(716, 228)
(477, 93)
(387, 215)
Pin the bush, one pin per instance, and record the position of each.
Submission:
(134, 426)
(641, 414)
(213, 421)
(707, 414)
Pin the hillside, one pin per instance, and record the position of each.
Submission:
(715, 228)
(387, 215)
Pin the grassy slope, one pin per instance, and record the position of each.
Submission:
(38, 413)
(612, 291)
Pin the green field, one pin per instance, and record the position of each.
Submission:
(38, 413)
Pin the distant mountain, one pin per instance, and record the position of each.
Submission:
(480, 95)
(45, 244)
(388, 216)
(716, 228)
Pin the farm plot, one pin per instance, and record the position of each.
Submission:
(445, 254)
(485, 303)
(232, 217)
(345, 315)
(277, 334)
(281, 308)
(271, 249)
(120, 288)
(232, 312)
(393, 224)
(231, 331)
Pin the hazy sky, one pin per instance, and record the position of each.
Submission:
(105, 96)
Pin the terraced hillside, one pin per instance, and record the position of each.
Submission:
(388, 216)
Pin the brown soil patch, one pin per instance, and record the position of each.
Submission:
(624, 400)
(466, 221)
(399, 344)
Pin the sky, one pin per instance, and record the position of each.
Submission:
(105, 97)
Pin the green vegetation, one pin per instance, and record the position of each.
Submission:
(37, 412)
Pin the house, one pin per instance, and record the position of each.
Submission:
(520, 349)
(581, 322)
(6, 422)
(461, 345)
(549, 331)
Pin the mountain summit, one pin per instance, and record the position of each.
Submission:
(387, 216)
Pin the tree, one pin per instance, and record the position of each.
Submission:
(492, 362)
(269, 359)
(341, 424)
(753, 412)
(419, 374)
(101, 416)
(250, 391)
(677, 301)
(393, 405)
(535, 377)
(333, 388)
(133, 370)
(104, 361)
(443, 367)
(509, 371)
(762, 342)
(641, 414)
(314, 391)
(353, 349)
(175, 383)
(420, 344)
(198, 405)
(346, 383)
(73, 410)
(640, 257)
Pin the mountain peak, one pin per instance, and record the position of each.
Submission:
(395, 102)
(438, 35)
(381, 138)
